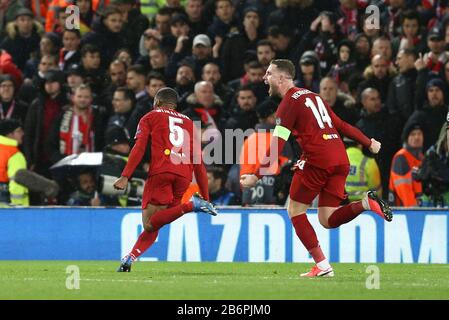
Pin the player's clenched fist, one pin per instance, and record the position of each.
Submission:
(248, 180)
(375, 146)
(121, 183)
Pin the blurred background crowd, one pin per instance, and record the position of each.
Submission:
(66, 90)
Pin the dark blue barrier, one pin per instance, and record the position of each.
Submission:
(236, 234)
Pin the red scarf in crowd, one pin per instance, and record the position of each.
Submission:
(76, 135)
(206, 114)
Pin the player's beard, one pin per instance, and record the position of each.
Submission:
(273, 90)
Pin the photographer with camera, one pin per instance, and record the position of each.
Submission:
(405, 191)
(434, 172)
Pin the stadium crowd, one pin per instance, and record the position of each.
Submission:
(67, 88)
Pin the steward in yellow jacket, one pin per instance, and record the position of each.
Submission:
(11, 160)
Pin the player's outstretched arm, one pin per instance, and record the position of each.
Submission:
(375, 146)
(201, 179)
(121, 183)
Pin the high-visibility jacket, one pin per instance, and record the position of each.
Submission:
(51, 12)
(403, 189)
(364, 174)
(12, 160)
(254, 150)
(40, 9)
(149, 8)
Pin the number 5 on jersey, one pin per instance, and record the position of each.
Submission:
(320, 114)
(176, 132)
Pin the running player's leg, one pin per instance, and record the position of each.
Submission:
(169, 191)
(148, 236)
(305, 186)
(332, 215)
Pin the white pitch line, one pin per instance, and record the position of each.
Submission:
(91, 280)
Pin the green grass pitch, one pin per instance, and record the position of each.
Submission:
(215, 281)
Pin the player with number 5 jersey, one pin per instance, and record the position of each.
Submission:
(323, 166)
(174, 157)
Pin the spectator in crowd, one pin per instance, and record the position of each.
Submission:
(162, 21)
(136, 81)
(107, 35)
(33, 85)
(323, 38)
(410, 37)
(244, 115)
(86, 194)
(377, 123)
(342, 104)
(437, 56)
(364, 174)
(124, 55)
(392, 16)
(123, 104)
(433, 114)
(345, 66)
(74, 78)
(362, 46)
(223, 22)
(309, 72)
(404, 190)
(41, 115)
(155, 81)
(179, 28)
(10, 106)
(80, 128)
(185, 81)
(218, 194)
(201, 55)
(11, 160)
(382, 46)
(194, 11)
(150, 39)
(283, 42)
(70, 53)
(116, 78)
(265, 53)
(158, 60)
(211, 73)
(87, 15)
(238, 42)
(91, 69)
(8, 67)
(401, 93)
(435, 172)
(378, 75)
(205, 106)
(23, 37)
(49, 45)
(253, 77)
(134, 23)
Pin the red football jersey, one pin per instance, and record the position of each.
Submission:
(317, 128)
(171, 136)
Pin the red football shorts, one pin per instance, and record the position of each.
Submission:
(311, 181)
(164, 189)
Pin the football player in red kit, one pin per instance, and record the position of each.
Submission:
(324, 164)
(174, 156)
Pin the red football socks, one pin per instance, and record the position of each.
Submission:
(307, 235)
(345, 214)
(165, 216)
(145, 240)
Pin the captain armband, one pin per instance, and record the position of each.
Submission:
(281, 132)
